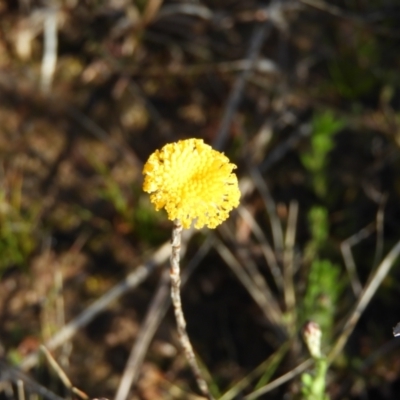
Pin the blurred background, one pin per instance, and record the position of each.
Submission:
(302, 95)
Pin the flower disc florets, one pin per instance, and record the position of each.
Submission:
(192, 182)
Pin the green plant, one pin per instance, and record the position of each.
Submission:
(111, 190)
(319, 304)
(323, 281)
(314, 384)
(17, 225)
(325, 126)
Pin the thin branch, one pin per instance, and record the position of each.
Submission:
(280, 151)
(266, 248)
(267, 304)
(257, 279)
(364, 300)
(261, 66)
(349, 262)
(8, 372)
(351, 268)
(270, 363)
(354, 18)
(195, 10)
(280, 381)
(156, 312)
(57, 369)
(260, 33)
(380, 219)
(328, 8)
(62, 375)
(270, 206)
(288, 261)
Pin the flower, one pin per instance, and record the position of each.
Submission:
(192, 181)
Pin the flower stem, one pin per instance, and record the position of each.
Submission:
(177, 303)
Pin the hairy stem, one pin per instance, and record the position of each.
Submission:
(177, 303)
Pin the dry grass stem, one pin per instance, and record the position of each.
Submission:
(177, 304)
(156, 312)
(280, 381)
(194, 9)
(132, 280)
(380, 219)
(61, 374)
(267, 304)
(364, 299)
(321, 5)
(351, 268)
(12, 374)
(20, 390)
(280, 151)
(260, 33)
(247, 260)
(49, 60)
(348, 258)
(272, 361)
(151, 10)
(266, 248)
(270, 206)
(57, 369)
(288, 262)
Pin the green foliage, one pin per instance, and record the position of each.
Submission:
(320, 299)
(325, 126)
(351, 72)
(111, 190)
(323, 290)
(145, 219)
(323, 284)
(17, 239)
(314, 385)
(142, 217)
(350, 80)
(319, 226)
(113, 193)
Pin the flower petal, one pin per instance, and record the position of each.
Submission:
(192, 181)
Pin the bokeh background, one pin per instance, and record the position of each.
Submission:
(303, 96)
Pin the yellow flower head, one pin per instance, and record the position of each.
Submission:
(192, 182)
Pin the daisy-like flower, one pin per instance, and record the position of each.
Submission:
(192, 181)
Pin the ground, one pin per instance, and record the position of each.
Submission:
(303, 96)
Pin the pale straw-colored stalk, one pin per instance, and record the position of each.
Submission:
(177, 304)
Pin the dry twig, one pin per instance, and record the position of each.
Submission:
(62, 375)
(266, 248)
(266, 302)
(280, 381)
(349, 262)
(9, 373)
(364, 299)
